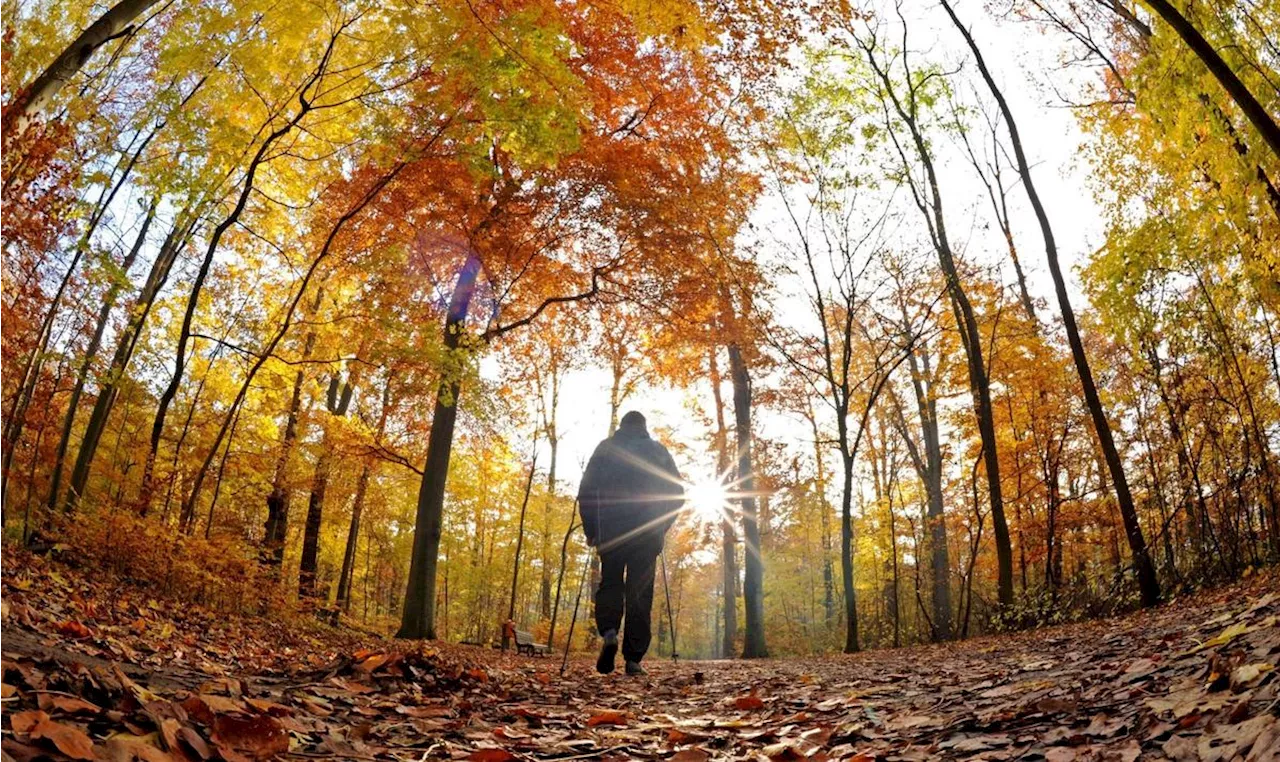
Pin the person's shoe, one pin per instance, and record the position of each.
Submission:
(604, 665)
(634, 669)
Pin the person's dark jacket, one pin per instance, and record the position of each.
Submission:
(631, 492)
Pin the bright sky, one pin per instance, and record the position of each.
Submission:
(1024, 61)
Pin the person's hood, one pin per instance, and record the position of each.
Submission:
(632, 430)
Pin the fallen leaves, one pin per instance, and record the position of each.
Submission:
(1223, 638)
(1247, 676)
(68, 704)
(748, 703)
(22, 722)
(257, 735)
(69, 740)
(607, 717)
(72, 629)
(137, 749)
(1188, 682)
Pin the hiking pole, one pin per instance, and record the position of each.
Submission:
(671, 620)
(586, 564)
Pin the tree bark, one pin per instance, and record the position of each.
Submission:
(851, 644)
(553, 440)
(418, 617)
(1256, 113)
(90, 354)
(928, 466)
(1148, 584)
(729, 559)
(337, 405)
(828, 573)
(753, 646)
(15, 420)
(353, 537)
(970, 337)
(564, 560)
(357, 506)
(115, 23)
(277, 525)
(515, 565)
(109, 387)
(184, 333)
(222, 470)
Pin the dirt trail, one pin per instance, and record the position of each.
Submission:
(1193, 680)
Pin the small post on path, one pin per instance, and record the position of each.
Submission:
(568, 642)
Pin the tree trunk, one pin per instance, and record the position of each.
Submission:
(184, 333)
(91, 353)
(928, 466)
(357, 507)
(893, 548)
(115, 23)
(1253, 110)
(109, 387)
(828, 573)
(15, 420)
(222, 470)
(729, 558)
(753, 646)
(980, 389)
(851, 644)
(1148, 584)
(418, 618)
(307, 563)
(515, 565)
(564, 560)
(277, 524)
(553, 439)
(970, 336)
(353, 536)
(33, 364)
(337, 404)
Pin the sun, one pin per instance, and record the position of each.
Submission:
(708, 498)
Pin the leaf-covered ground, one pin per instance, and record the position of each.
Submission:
(99, 672)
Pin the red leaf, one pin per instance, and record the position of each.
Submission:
(607, 717)
(257, 734)
(749, 702)
(23, 722)
(70, 741)
(74, 629)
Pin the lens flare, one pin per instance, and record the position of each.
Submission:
(709, 498)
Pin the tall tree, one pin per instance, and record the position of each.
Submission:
(91, 353)
(1147, 582)
(904, 104)
(725, 466)
(337, 402)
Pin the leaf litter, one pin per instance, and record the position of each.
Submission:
(1192, 681)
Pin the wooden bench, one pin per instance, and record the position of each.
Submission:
(524, 642)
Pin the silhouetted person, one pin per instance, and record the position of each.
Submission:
(629, 498)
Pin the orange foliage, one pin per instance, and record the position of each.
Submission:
(221, 572)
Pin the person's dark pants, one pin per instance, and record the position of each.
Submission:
(626, 586)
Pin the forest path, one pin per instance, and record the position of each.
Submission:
(1193, 680)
